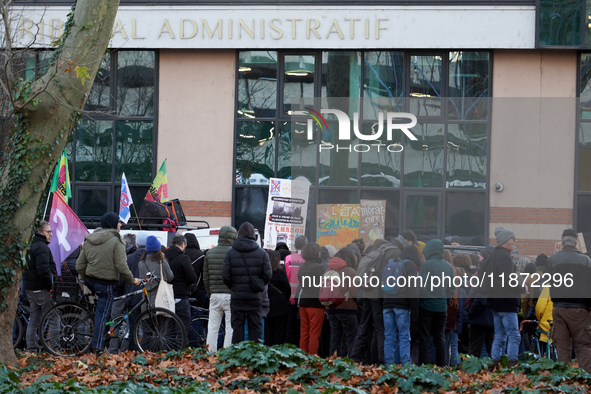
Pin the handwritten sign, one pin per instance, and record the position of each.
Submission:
(373, 218)
(338, 224)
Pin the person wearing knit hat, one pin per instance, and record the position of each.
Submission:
(572, 301)
(110, 220)
(504, 300)
(503, 235)
(102, 260)
(151, 263)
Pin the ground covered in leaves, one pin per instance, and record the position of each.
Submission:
(253, 367)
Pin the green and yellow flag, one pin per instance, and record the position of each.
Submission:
(61, 178)
(159, 189)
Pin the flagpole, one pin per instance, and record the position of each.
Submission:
(136, 218)
(46, 205)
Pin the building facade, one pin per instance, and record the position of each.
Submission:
(500, 90)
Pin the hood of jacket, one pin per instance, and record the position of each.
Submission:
(227, 236)
(245, 244)
(433, 249)
(336, 263)
(192, 241)
(172, 253)
(102, 236)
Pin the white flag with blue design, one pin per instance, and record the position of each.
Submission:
(126, 201)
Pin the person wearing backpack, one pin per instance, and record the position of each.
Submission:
(433, 303)
(197, 257)
(343, 317)
(370, 303)
(400, 309)
(311, 310)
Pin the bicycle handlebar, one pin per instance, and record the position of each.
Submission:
(527, 321)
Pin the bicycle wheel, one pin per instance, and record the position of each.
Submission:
(535, 347)
(158, 329)
(552, 353)
(66, 329)
(18, 332)
(198, 334)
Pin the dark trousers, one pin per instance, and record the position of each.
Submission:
(255, 324)
(432, 324)
(183, 310)
(106, 294)
(293, 326)
(478, 336)
(343, 330)
(372, 319)
(275, 330)
(572, 324)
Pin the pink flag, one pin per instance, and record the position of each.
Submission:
(68, 231)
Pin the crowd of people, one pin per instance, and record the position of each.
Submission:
(282, 296)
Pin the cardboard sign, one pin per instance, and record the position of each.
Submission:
(338, 224)
(373, 218)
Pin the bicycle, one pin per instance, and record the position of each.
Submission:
(67, 328)
(199, 324)
(21, 322)
(536, 347)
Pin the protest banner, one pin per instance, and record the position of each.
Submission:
(373, 218)
(286, 211)
(338, 224)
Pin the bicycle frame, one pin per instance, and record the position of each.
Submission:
(119, 320)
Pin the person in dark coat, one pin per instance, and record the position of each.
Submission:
(184, 278)
(278, 291)
(244, 265)
(504, 300)
(37, 280)
(197, 257)
(343, 318)
(311, 310)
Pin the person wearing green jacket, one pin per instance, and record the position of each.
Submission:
(102, 259)
(435, 295)
(218, 292)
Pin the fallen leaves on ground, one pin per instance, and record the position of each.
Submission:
(188, 368)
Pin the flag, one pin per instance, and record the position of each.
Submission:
(159, 189)
(68, 231)
(125, 200)
(61, 178)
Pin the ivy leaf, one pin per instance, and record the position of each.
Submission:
(82, 73)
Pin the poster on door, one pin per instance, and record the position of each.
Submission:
(338, 224)
(286, 212)
(373, 220)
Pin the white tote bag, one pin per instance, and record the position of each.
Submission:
(165, 294)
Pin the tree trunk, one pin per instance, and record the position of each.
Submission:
(46, 111)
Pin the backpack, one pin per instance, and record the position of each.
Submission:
(329, 296)
(372, 265)
(393, 269)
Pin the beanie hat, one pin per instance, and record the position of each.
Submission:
(246, 230)
(153, 244)
(140, 238)
(331, 250)
(503, 234)
(109, 220)
(569, 237)
(456, 239)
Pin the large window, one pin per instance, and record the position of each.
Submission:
(116, 135)
(437, 186)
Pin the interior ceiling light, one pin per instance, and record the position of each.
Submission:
(244, 69)
(298, 73)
